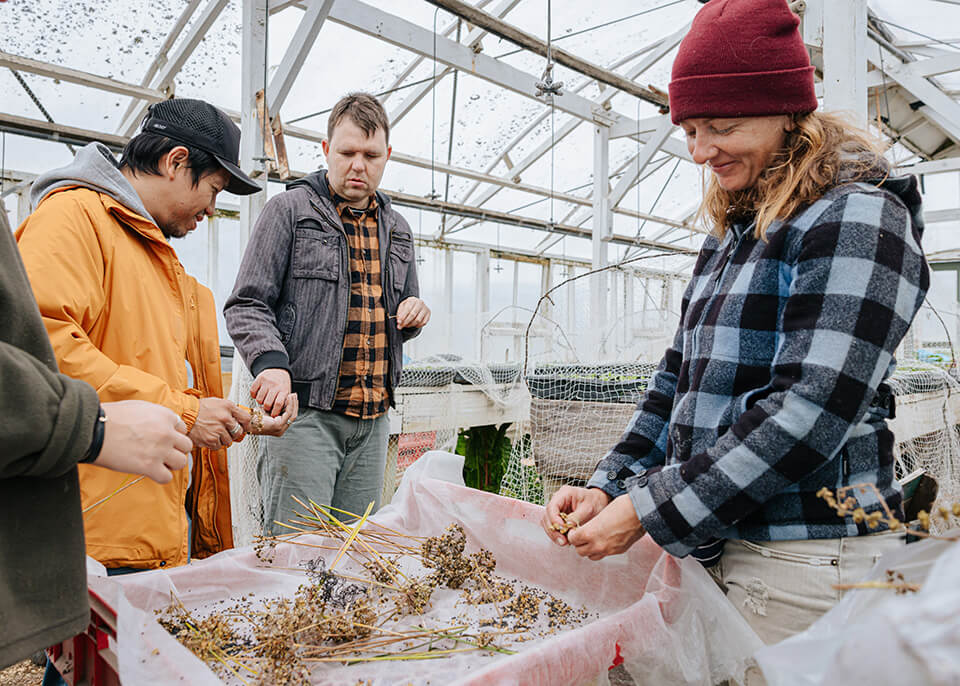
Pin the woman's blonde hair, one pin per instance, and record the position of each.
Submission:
(820, 151)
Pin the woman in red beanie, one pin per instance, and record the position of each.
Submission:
(773, 387)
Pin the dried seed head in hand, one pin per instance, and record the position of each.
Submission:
(568, 524)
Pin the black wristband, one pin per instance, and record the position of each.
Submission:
(96, 444)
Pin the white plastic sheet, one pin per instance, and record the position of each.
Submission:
(877, 637)
(671, 623)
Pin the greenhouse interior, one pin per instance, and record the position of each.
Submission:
(578, 331)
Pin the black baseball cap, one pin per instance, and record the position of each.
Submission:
(200, 124)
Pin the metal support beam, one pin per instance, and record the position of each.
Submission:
(650, 148)
(482, 304)
(601, 232)
(213, 252)
(484, 214)
(844, 59)
(423, 163)
(473, 40)
(38, 128)
(82, 78)
(939, 216)
(934, 104)
(251, 145)
(951, 164)
(161, 57)
(296, 54)
(933, 66)
(447, 291)
(252, 76)
(530, 42)
(567, 127)
(409, 36)
(165, 76)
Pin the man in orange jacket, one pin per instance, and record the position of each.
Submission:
(124, 316)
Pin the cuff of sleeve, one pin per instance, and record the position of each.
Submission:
(610, 487)
(648, 493)
(272, 359)
(191, 408)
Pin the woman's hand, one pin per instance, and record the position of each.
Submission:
(611, 532)
(579, 505)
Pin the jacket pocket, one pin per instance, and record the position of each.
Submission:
(286, 320)
(316, 255)
(401, 255)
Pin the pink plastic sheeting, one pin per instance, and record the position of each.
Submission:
(670, 621)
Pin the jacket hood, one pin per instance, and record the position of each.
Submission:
(317, 181)
(876, 171)
(94, 167)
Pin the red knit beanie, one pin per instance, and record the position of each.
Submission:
(742, 58)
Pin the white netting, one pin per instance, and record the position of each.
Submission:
(926, 426)
(579, 411)
(245, 503)
(580, 406)
(437, 397)
(572, 395)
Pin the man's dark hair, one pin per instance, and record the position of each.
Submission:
(365, 111)
(143, 152)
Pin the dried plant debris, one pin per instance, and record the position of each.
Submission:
(381, 613)
(844, 502)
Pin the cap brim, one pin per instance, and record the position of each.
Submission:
(240, 183)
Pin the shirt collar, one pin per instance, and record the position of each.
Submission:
(344, 209)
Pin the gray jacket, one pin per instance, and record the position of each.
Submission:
(48, 422)
(288, 309)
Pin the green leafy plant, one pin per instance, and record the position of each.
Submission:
(486, 452)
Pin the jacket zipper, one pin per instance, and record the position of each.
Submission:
(735, 245)
(346, 309)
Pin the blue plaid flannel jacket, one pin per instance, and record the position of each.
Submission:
(765, 395)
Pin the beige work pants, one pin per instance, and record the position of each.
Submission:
(782, 587)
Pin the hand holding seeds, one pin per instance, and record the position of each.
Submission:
(611, 532)
(262, 424)
(571, 507)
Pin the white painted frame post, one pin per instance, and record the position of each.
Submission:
(253, 45)
(601, 230)
(845, 59)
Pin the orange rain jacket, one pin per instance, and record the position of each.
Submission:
(124, 316)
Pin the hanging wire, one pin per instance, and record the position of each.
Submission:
(599, 26)
(377, 95)
(886, 102)
(918, 33)
(453, 120)
(546, 86)
(433, 115)
(420, 82)
(550, 89)
(657, 199)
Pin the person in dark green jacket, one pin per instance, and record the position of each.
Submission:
(49, 423)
